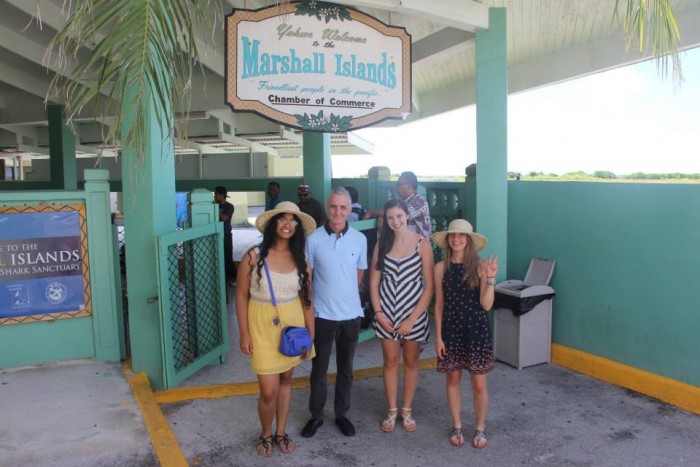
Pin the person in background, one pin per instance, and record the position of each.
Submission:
(260, 324)
(401, 287)
(418, 212)
(311, 206)
(226, 210)
(273, 196)
(338, 258)
(357, 212)
(464, 292)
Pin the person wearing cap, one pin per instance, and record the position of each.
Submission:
(464, 292)
(226, 210)
(338, 258)
(273, 196)
(281, 254)
(311, 206)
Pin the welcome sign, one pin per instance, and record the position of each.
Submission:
(43, 263)
(317, 66)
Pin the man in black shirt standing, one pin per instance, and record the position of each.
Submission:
(225, 215)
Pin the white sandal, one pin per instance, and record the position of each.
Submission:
(389, 423)
(408, 423)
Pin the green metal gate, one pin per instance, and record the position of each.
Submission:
(192, 299)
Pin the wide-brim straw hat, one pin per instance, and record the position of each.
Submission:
(460, 226)
(307, 222)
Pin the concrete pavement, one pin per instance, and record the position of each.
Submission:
(543, 415)
(86, 414)
(74, 414)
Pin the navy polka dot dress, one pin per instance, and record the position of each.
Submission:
(465, 327)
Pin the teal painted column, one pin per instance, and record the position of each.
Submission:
(317, 164)
(105, 315)
(201, 209)
(375, 174)
(64, 169)
(149, 211)
(492, 136)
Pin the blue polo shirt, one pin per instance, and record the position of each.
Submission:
(335, 261)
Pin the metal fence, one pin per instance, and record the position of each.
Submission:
(193, 299)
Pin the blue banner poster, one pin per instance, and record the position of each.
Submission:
(41, 265)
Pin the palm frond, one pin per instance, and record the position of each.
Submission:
(652, 23)
(144, 52)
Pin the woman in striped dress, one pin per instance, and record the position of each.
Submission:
(401, 286)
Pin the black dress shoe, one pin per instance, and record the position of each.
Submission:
(346, 426)
(310, 428)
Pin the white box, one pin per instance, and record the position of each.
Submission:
(524, 340)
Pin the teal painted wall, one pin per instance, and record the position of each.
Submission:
(46, 342)
(628, 259)
(96, 336)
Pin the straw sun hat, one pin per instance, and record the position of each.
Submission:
(307, 222)
(459, 226)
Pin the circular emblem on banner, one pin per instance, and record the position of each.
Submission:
(56, 292)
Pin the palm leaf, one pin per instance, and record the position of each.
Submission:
(144, 54)
(652, 23)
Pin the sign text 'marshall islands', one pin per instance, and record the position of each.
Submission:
(257, 63)
(317, 67)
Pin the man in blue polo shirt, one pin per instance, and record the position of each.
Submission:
(338, 257)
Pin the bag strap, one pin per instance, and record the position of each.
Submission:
(272, 293)
(269, 284)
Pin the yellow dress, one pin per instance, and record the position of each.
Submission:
(266, 358)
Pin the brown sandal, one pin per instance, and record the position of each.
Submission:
(457, 437)
(264, 446)
(479, 438)
(285, 443)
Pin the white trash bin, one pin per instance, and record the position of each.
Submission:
(522, 325)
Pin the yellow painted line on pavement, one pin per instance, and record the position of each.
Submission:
(164, 442)
(682, 395)
(218, 391)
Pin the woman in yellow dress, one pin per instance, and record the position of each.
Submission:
(260, 323)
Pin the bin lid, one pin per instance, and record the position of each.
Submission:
(540, 272)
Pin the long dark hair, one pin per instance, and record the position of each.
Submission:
(297, 245)
(387, 236)
(470, 275)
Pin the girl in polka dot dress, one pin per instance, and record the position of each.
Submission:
(464, 292)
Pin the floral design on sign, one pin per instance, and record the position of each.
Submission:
(323, 10)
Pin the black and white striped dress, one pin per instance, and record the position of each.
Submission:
(399, 290)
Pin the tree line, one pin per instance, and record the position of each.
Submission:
(606, 175)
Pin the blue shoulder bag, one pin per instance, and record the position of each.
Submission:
(295, 341)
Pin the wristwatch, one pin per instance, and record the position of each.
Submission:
(491, 281)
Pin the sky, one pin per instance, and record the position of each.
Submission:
(625, 120)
